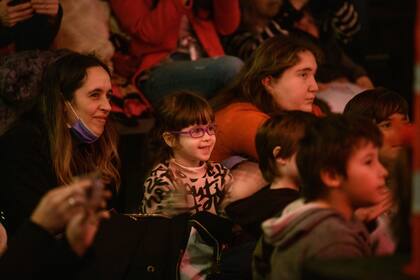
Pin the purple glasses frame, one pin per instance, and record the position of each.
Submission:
(200, 131)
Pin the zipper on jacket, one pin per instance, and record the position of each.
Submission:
(218, 251)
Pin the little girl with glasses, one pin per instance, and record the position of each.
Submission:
(183, 181)
(182, 140)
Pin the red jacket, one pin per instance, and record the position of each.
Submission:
(155, 32)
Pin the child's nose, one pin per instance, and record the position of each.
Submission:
(383, 171)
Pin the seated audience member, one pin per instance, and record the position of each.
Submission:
(183, 180)
(280, 76)
(389, 112)
(29, 24)
(339, 77)
(85, 29)
(263, 19)
(277, 143)
(36, 253)
(20, 83)
(177, 44)
(338, 163)
(69, 134)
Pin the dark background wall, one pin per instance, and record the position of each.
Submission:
(386, 44)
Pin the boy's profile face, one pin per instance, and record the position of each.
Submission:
(365, 181)
(390, 131)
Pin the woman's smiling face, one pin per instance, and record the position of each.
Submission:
(91, 100)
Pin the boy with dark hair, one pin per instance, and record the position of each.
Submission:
(277, 143)
(340, 171)
(388, 110)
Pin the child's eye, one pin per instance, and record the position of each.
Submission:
(196, 129)
(386, 124)
(196, 132)
(212, 128)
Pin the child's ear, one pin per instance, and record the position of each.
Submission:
(276, 154)
(330, 178)
(169, 139)
(266, 82)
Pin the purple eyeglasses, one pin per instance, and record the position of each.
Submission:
(198, 132)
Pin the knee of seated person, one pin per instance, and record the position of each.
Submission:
(231, 66)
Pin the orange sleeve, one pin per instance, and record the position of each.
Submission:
(237, 130)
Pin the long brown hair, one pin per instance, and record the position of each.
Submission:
(271, 58)
(61, 79)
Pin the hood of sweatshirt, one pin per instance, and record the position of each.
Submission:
(292, 226)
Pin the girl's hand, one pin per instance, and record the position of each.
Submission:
(11, 15)
(45, 7)
(176, 203)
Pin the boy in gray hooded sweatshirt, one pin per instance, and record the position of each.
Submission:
(340, 171)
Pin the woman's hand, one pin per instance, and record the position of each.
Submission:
(59, 205)
(82, 228)
(11, 15)
(77, 209)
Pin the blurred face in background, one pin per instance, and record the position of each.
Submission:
(390, 129)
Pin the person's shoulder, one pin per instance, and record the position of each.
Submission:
(240, 109)
(160, 168)
(334, 229)
(243, 106)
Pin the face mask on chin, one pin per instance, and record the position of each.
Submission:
(81, 130)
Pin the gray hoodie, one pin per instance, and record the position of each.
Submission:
(309, 232)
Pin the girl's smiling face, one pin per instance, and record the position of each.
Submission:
(191, 151)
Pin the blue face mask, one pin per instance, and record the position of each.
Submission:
(81, 130)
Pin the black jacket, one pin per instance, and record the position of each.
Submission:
(26, 170)
(33, 253)
(147, 247)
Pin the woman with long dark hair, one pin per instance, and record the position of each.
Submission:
(69, 135)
